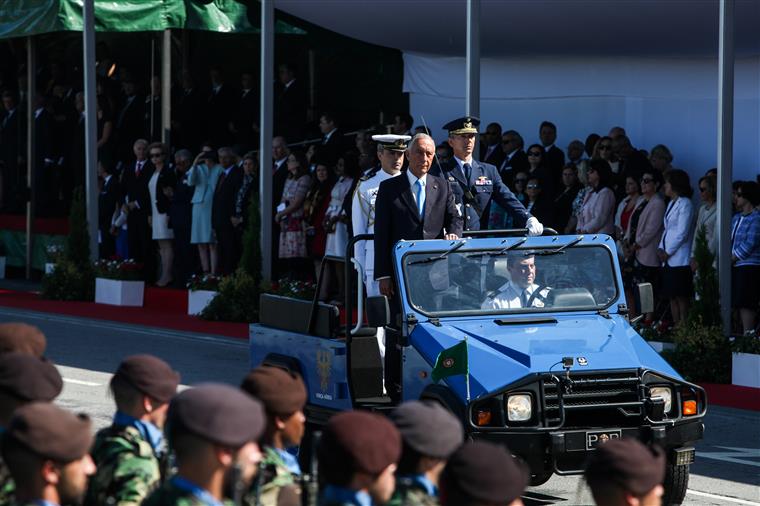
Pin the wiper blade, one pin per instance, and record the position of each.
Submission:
(558, 251)
(441, 256)
(498, 253)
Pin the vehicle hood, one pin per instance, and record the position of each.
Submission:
(499, 355)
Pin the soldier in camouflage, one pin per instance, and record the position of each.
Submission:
(429, 434)
(24, 378)
(213, 430)
(131, 454)
(283, 394)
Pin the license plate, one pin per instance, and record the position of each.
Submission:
(597, 437)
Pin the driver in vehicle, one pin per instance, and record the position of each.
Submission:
(520, 291)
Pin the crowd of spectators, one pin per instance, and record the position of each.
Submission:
(182, 209)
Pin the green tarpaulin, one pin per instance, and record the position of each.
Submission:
(20, 18)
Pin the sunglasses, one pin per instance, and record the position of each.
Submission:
(605, 147)
(646, 180)
(702, 189)
(533, 187)
(508, 141)
(534, 153)
(520, 181)
(156, 155)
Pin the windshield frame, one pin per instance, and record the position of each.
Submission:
(509, 312)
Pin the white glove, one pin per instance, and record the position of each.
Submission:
(534, 226)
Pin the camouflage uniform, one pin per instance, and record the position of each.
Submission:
(7, 487)
(410, 493)
(171, 495)
(127, 468)
(273, 476)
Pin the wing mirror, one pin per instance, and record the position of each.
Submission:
(643, 300)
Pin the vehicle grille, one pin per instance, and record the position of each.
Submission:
(593, 400)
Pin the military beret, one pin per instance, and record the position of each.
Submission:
(22, 337)
(29, 378)
(359, 441)
(465, 125)
(51, 432)
(150, 375)
(282, 392)
(218, 413)
(627, 463)
(428, 428)
(482, 472)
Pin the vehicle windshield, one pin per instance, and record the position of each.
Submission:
(517, 281)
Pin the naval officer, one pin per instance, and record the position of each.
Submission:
(475, 184)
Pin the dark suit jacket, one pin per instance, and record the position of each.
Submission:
(330, 151)
(136, 188)
(220, 111)
(554, 160)
(485, 184)
(246, 114)
(223, 207)
(180, 210)
(290, 110)
(497, 155)
(187, 110)
(509, 168)
(543, 210)
(107, 200)
(396, 217)
(129, 124)
(166, 179)
(278, 183)
(12, 143)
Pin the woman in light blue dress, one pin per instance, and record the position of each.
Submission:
(204, 175)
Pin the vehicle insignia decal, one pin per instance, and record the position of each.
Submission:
(582, 361)
(448, 363)
(324, 368)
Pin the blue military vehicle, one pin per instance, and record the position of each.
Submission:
(551, 375)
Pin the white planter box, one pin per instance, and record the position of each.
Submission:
(119, 293)
(197, 300)
(660, 346)
(49, 268)
(745, 370)
(2, 267)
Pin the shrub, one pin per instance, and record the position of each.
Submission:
(204, 282)
(250, 261)
(68, 282)
(237, 300)
(706, 304)
(77, 248)
(702, 354)
(291, 288)
(746, 344)
(123, 270)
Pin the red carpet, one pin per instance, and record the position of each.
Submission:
(165, 308)
(732, 396)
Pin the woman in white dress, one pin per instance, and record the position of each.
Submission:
(161, 187)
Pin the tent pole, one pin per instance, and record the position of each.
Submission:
(265, 139)
(91, 126)
(152, 73)
(472, 83)
(31, 86)
(166, 87)
(725, 155)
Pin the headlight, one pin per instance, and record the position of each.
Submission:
(663, 393)
(519, 408)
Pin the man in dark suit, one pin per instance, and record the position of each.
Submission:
(12, 148)
(245, 122)
(415, 205)
(476, 184)
(220, 106)
(490, 147)
(223, 209)
(135, 176)
(333, 144)
(130, 119)
(554, 159)
(180, 219)
(46, 171)
(108, 199)
(290, 104)
(187, 113)
(515, 160)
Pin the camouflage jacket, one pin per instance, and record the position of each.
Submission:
(7, 487)
(171, 495)
(127, 469)
(410, 493)
(273, 476)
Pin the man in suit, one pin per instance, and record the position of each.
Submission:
(554, 159)
(130, 119)
(46, 170)
(108, 199)
(333, 144)
(290, 103)
(134, 179)
(402, 124)
(476, 184)
(490, 147)
(220, 104)
(188, 104)
(245, 122)
(223, 208)
(515, 160)
(12, 149)
(181, 217)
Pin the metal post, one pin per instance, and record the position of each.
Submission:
(90, 126)
(152, 73)
(265, 140)
(31, 86)
(312, 81)
(166, 87)
(472, 84)
(725, 155)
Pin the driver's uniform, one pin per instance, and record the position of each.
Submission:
(512, 296)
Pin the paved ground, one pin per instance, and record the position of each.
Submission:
(727, 470)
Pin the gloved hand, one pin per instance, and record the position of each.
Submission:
(534, 226)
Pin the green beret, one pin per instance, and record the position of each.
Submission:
(150, 375)
(282, 392)
(51, 432)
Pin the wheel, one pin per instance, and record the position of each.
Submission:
(675, 484)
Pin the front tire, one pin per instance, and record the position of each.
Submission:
(675, 484)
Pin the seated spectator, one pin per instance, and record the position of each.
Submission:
(675, 246)
(632, 162)
(315, 208)
(707, 216)
(590, 144)
(161, 187)
(575, 152)
(648, 232)
(603, 150)
(563, 203)
(515, 158)
(402, 124)
(598, 210)
(290, 216)
(203, 175)
(745, 254)
(538, 205)
(661, 158)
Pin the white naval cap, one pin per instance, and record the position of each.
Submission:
(392, 142)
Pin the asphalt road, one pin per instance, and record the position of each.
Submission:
(726, 472)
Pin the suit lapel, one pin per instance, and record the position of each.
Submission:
(406, 196)
(431, 192)
(457, 173)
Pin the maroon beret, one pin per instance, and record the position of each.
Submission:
(51, 432)
(29, 378)
(359, 441)
(22, 337)
(150, 375)
(282, 392)
(482, 472)
(218, 413)
(629, 464)
(428, 428)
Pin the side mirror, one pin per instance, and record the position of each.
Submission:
(378, 311)
(644, 298)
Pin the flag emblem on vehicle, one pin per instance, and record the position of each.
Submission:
(448, 363)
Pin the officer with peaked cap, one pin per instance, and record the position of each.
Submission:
(283, 395)
(476, 184)
(22, 337)
(482, 473)
(46, 451)
(213, 430)
(430, 434)
(357, 457)
(131, 454)
(24, 378)
(624, 471)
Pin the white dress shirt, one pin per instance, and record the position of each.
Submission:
(511, 296)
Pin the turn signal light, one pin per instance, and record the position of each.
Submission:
(483, 417)
(689, 408)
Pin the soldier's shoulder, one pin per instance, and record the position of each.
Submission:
(169, 495)
(120, 442)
